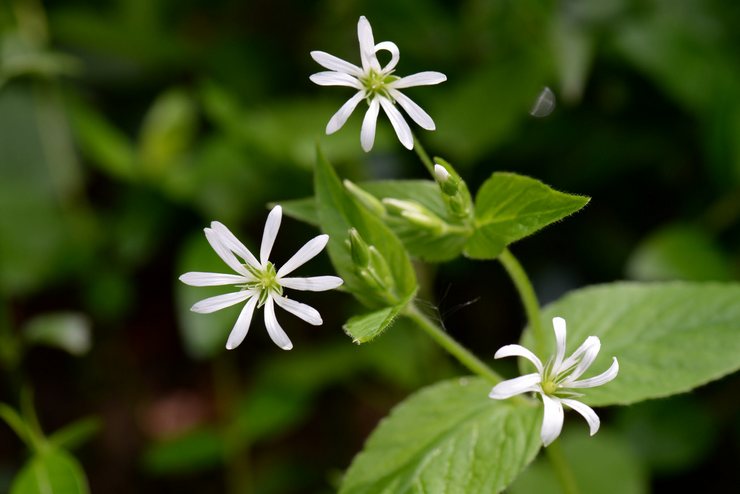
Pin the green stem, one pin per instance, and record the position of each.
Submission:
(562, 469)
(423, 156)
(529, 299)
(444, 340)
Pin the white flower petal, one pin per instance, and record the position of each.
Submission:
(367, 134)
(367, 45)
(392, 48)
(232, 243)
(335, 79)
(552, 421)
(241, 327)
(399, 124)
(584, 356)
(519, 351)
(602, 378)
(558, 325)
(416, 113)
(219, 302)
(335, 63)
(197, 278)
(421, 79)
(522, 384)
(312, 284)
(340, 117)
(273, 327)
(586, 412)
(272, 225)
(224, 252)
(304, 254)
(305, 312)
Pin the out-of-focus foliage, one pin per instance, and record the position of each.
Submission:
(127, 126)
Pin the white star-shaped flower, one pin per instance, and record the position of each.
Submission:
(259, 283)
(554, 381)
(377, 85)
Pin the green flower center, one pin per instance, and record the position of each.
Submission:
(376, 83)
(265, 282)
(549, 387)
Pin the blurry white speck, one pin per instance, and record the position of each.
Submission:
(545, 103)
(463, 381)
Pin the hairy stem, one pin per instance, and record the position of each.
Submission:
(562, 469)
(444, 340)
(529, 299)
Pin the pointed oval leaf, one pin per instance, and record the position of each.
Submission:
(338, 212)
(449, 437)
(52, 472)
(668, 337)
(509, 207)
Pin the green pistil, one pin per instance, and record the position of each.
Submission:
(265, 282)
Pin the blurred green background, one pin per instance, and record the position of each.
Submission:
(127, 126)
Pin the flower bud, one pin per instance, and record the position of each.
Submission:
(365, 198)
(358, 249)
(446, 181)
(415, 213)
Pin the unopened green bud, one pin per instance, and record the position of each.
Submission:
(365, 198)
(449, 184)
(379, 266)
(358, 249)
(415, 213)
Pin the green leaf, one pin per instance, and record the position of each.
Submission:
(668, 337)
(338, 212)
(509, 207)
(75, 434)
(679, 252)
(605, 464)
(194, 451)
(52, 472)
(167, 131)
(300, 209)
(366, 327)
(449, 437)
(421, 242)
(101, 142)
(68, 331)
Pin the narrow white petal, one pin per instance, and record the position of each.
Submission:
(552, 421)
(196, 278)
(367, 45)
(335, 79)
(558, 325)
(602, 378)
(421, 79)
(312, 284)
(305, 312)
(416, 113)
(304, 254)
(586, 412)
(224, 252)
(391, 48)
(273, 327)
(516, 386)
(340, 117)
(335, 63)
(219, 302)
(232, 243)
(367, 134)
(242, 324)
(272, 225)
(399, 124)
(584, 356)
(519, 351)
